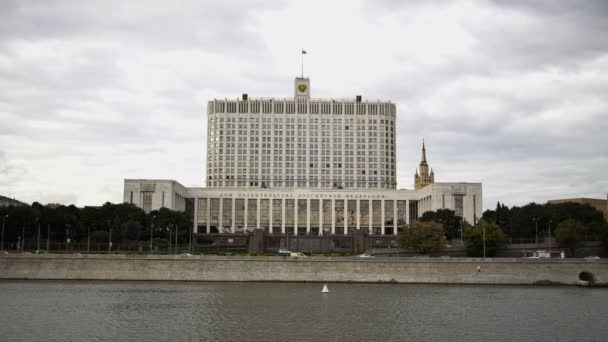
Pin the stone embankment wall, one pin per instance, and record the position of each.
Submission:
(310, 269)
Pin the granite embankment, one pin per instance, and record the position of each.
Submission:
(310, 269)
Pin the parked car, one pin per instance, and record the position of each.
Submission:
(297, 254)
(592, 258)
(284, 251)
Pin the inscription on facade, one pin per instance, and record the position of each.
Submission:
(147, 187)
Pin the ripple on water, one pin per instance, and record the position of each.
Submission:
(145, 311)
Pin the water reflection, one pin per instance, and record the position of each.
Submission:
(147, 311)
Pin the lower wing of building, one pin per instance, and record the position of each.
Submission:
(304, 211)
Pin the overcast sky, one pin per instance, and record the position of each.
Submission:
(513, 94)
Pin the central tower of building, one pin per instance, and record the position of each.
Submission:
(301, 142)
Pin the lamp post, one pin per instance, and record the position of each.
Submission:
(169, 229)
(67, 237)
(549, 237)
(22, 238)
(176, 239)
(535, 219)
(88, 238)
(48, 237)
(461, 223)
(151, 230)
(110, 241)
(483, 226)
(38, 239)
(3, 221)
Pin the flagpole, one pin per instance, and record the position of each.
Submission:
(302, 53)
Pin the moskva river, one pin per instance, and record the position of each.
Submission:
(157, 311)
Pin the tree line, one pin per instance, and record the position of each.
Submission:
(571, 224)
(30, 227)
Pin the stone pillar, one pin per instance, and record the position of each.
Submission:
(257, 242)
(360, 240)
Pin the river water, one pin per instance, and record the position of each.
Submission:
(176, 311)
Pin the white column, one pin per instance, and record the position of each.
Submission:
(257, 216)
(221, 218)
(246, 213)
(395, 224)
(283, 215)
(208, 215)
(382, 215)
(295, 216)
(357, 216)
(345, 217)
(308, 206)
(233, 228)
(332, 207)
(195, 224)
(369, 215)
(270, 203)
(321, 217)
(407, 212)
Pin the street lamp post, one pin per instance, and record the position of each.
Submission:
(3, 222)
(151, 230)
(88, 238)
(48, 237)
(22, 238)
(483, 226)
(549, 237)
(38, 239)
(110, 241)
(535, 219)
(67, 237)
(176, 239)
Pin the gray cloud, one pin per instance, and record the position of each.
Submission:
(508, 93)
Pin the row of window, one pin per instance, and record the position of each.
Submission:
(289, 107)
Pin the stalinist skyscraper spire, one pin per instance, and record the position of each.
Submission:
(424, 178)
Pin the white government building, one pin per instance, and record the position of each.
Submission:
(304, 166)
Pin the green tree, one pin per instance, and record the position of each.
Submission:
(474, 239)
(423, 237)
(448, 218)
(570, 234)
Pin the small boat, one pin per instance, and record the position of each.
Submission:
(325, 289)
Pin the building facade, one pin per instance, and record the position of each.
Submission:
(304, 166)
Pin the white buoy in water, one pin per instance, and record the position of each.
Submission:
(325, 289)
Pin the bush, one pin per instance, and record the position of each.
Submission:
(423, 237)
(473, 239)
(570, 234)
